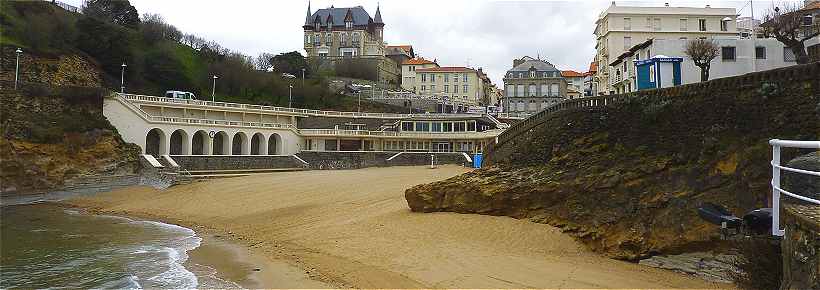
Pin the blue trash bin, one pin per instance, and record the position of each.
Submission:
(476, 160)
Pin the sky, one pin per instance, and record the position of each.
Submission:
(474, 33)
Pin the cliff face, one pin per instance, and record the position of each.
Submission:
(627, 179)
(49, 139)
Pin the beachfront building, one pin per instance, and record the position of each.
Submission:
(619, 28)
(737, 56)
(531, 85)
(408, 72)
(451, 83)
(349, 36)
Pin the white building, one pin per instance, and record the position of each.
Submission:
(737, 56)
(619, 28)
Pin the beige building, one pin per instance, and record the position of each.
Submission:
(334, 34)
(619, 28)
(531, 85)
(408, 72)
(454, 83)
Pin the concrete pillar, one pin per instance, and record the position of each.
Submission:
(246, 145)
(263, 144)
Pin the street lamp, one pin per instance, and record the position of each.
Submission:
(360, 97)
(213, 89)
(122, 78)
(17, 66)
(290, 96)
(303, 77)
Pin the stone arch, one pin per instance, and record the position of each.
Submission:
(239, 144)
(221, 143)
(201, 143)
(155, 142)
(180, 143)
(259, 144)
(274, 144)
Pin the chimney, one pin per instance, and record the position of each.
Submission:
(708, 6)
(516, 62)
(666, 4)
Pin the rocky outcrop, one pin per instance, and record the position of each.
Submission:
(59, 70)
(627, 179)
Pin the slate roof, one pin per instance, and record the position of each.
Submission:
(539, 65)
(337, 16)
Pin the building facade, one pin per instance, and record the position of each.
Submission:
(338, 34)
(408, 72)
(737, 56)
(399, 53)
(453, 83)
(619, 28)
(531, 85)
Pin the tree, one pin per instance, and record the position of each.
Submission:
(702, 52)
(108, 43)
(291, 62)
(154, 28)
(792, 25)
(117, 11)
(264, 61)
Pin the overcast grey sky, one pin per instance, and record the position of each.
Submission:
(478, 33)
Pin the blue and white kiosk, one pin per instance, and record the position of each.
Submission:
(660, 71)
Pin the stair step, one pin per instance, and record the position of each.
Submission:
(242, 171)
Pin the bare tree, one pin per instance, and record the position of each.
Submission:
(792, 25)
(263, 61)
(702, 52)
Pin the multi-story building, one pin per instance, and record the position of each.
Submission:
(408, 72)
(399, 53)
(619, 28)
(334, 34)
(452, 83)
(531, 85)
(489, 97)
(737, 56)
(590, 85)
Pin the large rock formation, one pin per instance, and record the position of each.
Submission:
(627, 179)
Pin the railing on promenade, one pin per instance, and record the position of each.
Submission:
(776, 167)
(364, 133)
(293, 111)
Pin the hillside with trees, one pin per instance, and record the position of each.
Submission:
(160, 57)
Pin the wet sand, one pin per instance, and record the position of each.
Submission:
(352, 228)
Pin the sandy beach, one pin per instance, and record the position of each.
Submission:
(352, 228)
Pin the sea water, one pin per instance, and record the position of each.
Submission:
(47, 246)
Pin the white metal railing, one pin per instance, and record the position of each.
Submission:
(776, 167)
(293, 111)
(441, 135)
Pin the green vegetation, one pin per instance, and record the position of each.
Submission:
(159, 57)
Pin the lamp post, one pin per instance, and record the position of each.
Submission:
(360, 96)
(213, 89)
(290, 96)
(122, 78)
(303, 77)
(17, 67)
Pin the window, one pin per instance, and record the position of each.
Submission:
(407, 126)
(355, 37)
(446, 78)
(447, 127)
(422, 126)
(627, 42)
(519, 91)
(330, 145)
(437, 127)
(471, 126)
(724, 25)
(307, 38)
(465, 88)
(348, 25)
(423, 77)
(433, 88)
(544, 90)
(648, 23)
(627, 23)
(432, 78)
(727, 53)
(329, 39)
(509, 91)
(652, 73)
(520, 106)
(788, 55)
(532, 91)
(657, 24)
(343, 39)
(455, 89)
(465, 79)
(455, 77)
(446, 87)
(532, 74)
(459, 127)
(423, 88)
(554, 91)
(760, 52)
(684, 25)
(317, 39)
(702, 24)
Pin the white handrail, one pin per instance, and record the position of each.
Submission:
(776, 167)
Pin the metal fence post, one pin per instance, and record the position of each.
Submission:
(775, 192)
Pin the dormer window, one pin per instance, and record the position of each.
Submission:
(349, 24)
(532, 74)
(317, 26)
(329, 25)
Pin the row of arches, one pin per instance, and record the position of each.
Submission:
(179, 142)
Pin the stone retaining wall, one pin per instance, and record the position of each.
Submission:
(357, 159)
(232, 162)
(801, 246)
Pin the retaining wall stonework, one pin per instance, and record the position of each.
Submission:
(801, 246)
(357, 159)
(229, 162)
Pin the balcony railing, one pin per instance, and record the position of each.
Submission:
(776, 167)
(393, 134)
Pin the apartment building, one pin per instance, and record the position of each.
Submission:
(737, 56)
(618, 28)
(531, 85)
(454, 83)
(408, 72)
